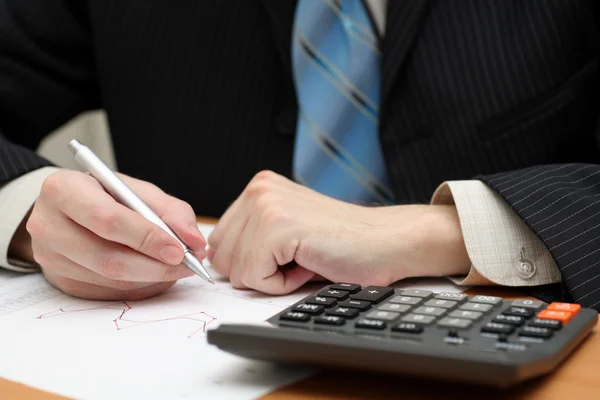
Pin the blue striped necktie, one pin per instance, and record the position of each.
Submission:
(336, 66)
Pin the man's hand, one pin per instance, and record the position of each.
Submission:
(90, 246)
(278, 235)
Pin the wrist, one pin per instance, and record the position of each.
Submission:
(427, 242)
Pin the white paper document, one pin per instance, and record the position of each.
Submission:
(152, 349)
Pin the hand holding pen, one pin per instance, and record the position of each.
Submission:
(90, 245)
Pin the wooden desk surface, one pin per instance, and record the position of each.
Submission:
(578, 378)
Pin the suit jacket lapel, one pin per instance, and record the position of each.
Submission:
(281, 13)
(402, 25)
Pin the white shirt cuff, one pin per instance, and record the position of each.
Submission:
(16, 199)
(494, 236)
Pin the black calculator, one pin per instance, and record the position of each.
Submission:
(484, 340)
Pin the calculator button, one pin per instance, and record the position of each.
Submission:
(528, 303)
(519, 311)
(330, 320)
(406, 300)
(349, 287)
(435, 311)
(511, 346)
(373, 294)
(324, 301)
(407, 327)
(416, 293)
(371, 324)
(358, 304)
(509, 319)
(492, 300)
(476, 307)
(418, 318)
(383, 315)
(441, 303)
(493, 327)
(336, 294)
(394, 307)
(295, 316)
(561, 316)
(455, 323)
(343, 312)
(313, 309)
(532, 331)
(546, 323)
(568, 307)
(457, 297)
(472, 315)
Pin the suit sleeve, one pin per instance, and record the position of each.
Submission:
(561, 205)
(47, 76)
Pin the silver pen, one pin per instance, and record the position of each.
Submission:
(85, 157)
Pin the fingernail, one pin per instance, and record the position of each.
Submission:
(171, 254)
(211, 254)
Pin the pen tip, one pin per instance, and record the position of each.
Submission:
(211, 280)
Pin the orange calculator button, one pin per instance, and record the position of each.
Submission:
(563, 316)
(572, 308)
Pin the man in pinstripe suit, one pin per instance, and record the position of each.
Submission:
(472, 124)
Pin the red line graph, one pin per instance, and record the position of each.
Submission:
(125, 321)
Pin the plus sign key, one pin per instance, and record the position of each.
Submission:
(335, 293)
(374, 294)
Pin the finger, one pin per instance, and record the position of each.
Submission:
(223, 254)
(109, 259)
(260, 184)
(265, 257)
(177, 214)
(94, 292)
(66, 268)
(214, 239)
(240, 270)
(180, 217)
(102, 215)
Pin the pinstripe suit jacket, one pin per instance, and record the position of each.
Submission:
(498, 90)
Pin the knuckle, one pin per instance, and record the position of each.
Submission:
(148, 238)
(103, 220)
(42, 258)
(258, 188)
(261, 183)
(35, 226)
(274, 215)
(183, 207)
(52, 185)
(265, 175)
(112, 266)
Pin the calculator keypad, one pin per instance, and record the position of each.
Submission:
(456, 318)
